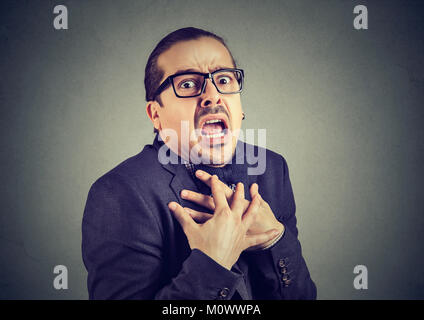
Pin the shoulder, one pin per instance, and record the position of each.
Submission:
(125, 185)
(116, 205)
(133, 170)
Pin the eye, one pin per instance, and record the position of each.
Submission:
(187, 84)
(224, 80)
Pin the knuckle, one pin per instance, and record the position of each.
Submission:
(227, 211)
(254, 212)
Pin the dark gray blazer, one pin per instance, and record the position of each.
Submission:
(134, 248)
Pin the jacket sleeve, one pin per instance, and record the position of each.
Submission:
(280, 272)
(122, 248)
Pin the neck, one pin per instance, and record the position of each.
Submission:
(215, 165)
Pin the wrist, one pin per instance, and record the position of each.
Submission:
(215, 257)
(280, 227)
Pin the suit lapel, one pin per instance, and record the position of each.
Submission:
(180, 176)
(182, 179)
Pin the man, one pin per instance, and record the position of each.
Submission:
(200, 227)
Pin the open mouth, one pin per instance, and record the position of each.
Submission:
(214, 128)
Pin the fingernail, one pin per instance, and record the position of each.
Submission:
(184, 193)
(172, 206)
(199, 173)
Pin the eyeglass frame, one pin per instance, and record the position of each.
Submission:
(169, 81)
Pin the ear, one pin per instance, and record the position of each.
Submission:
(152, 108)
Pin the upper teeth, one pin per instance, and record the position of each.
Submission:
(212, 121)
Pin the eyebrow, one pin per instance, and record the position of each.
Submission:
(196, 70)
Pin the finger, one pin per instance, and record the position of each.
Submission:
(254, 190)
(257, 239)
(251, 212)
(237, 204)
(206, 178)
(198, 216)
(218, 193)
(186, 221)
(199, 198)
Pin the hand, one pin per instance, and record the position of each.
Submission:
(266, 220)
(224, 236)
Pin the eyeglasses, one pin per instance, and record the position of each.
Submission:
(193, 84)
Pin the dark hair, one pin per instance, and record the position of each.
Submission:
(153, 74)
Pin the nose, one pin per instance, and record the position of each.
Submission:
(210, 97)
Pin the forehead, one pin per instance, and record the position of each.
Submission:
(204, 55)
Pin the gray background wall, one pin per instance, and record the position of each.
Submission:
(344, 107)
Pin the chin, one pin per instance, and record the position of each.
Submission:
(216, 155)
(219, 155)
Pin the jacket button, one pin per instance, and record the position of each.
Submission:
(283, 270)
(224, 293)
(281, 263)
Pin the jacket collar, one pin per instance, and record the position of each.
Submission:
(181, 177)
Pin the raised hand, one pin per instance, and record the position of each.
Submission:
(223, 237)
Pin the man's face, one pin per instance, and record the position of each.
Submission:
(201, 133)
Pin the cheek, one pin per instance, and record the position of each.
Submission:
(236, 111)
(235, 103)
(174, 114)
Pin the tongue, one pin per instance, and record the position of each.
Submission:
(212, 128)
